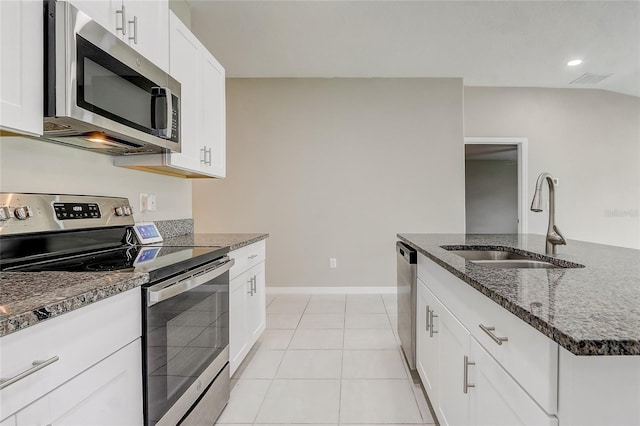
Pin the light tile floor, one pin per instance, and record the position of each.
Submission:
(326, 360)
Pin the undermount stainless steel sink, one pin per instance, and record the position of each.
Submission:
(502, 259)
(488, 255)
(516, 263)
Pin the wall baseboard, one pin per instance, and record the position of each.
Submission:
(331, 290)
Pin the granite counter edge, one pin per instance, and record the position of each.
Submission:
(576, 347)
(248, 242)
(27, 319)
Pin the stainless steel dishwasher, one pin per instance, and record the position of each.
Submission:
(407, 295)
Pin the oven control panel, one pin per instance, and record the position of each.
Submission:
(66, 211)
(22, 213)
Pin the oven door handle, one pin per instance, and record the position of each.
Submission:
(163, 291)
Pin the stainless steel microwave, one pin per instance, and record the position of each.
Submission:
(102, 95)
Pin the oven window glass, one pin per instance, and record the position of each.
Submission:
(183, 336)
(111, 89)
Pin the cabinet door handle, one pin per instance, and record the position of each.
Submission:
(431, 317)
(37, 365)
(203, 152)
(489, 331)
(255, 281)
(135, 30)
(427, 314)
(123, 20)
(465, 375)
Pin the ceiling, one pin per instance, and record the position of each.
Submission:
(488, 43)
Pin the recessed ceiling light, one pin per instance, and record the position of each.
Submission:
(574, 62)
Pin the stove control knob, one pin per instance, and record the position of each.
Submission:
(23, 212)
(119, 211)
(5, 213)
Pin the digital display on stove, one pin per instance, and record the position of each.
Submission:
(66, 211)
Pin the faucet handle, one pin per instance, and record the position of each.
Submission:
(555, 237)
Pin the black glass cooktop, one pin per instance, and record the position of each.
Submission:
(159, 261)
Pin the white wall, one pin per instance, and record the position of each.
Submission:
(335, 168)
(491, 196)
(28, 165)
(589, 139)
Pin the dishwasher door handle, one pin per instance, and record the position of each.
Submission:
(167, 291)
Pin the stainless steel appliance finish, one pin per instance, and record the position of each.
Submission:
(100, 94)
(407, 293)
(554, 236)
(30, 213)
(186, 345)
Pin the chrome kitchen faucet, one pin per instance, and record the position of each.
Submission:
(554, 236)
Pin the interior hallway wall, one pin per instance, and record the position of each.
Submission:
(589, 139)
(334, 168)
(491, 196)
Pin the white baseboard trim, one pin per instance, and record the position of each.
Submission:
(331, 290)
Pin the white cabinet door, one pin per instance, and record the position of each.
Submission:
(148, 29)
(496, 398)
(453, 347)
(213, 124)
(426, 343)
(21, 68)
(109, 393)
(107, 13)
(9, 421)
(238, 341)
(256, 305)
(184, 53)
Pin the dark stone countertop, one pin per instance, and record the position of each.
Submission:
(593, 310)
(233, 241)
(27, 298)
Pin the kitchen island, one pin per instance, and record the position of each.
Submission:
(522, 340)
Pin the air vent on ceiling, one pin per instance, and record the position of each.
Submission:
(589, 78)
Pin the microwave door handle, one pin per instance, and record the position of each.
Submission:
(162, 92)
(167, 292)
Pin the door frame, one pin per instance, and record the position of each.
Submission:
(523, 160)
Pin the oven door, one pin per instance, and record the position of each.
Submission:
(101, 89)
(185, 341)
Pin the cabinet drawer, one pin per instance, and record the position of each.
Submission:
(496, 399)
(246, 257)
(79, 339)
(530, 357)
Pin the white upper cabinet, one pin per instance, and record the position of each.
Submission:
(202, 111)
(21, 88)
(144, 25)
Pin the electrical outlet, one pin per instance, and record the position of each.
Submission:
(152, 203)
(333, 264)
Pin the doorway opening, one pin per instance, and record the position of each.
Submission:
(495, 185)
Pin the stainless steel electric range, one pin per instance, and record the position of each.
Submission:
(185, 305)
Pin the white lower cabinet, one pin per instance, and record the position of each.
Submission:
(109, 393)
(247, 301)
(496, 399)
(465, 383)
(94, 371)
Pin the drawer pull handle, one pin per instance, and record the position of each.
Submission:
(431, 317)
(253, 256)
(465, 375)
(489, 331)
(428, 314)
(37, 365)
